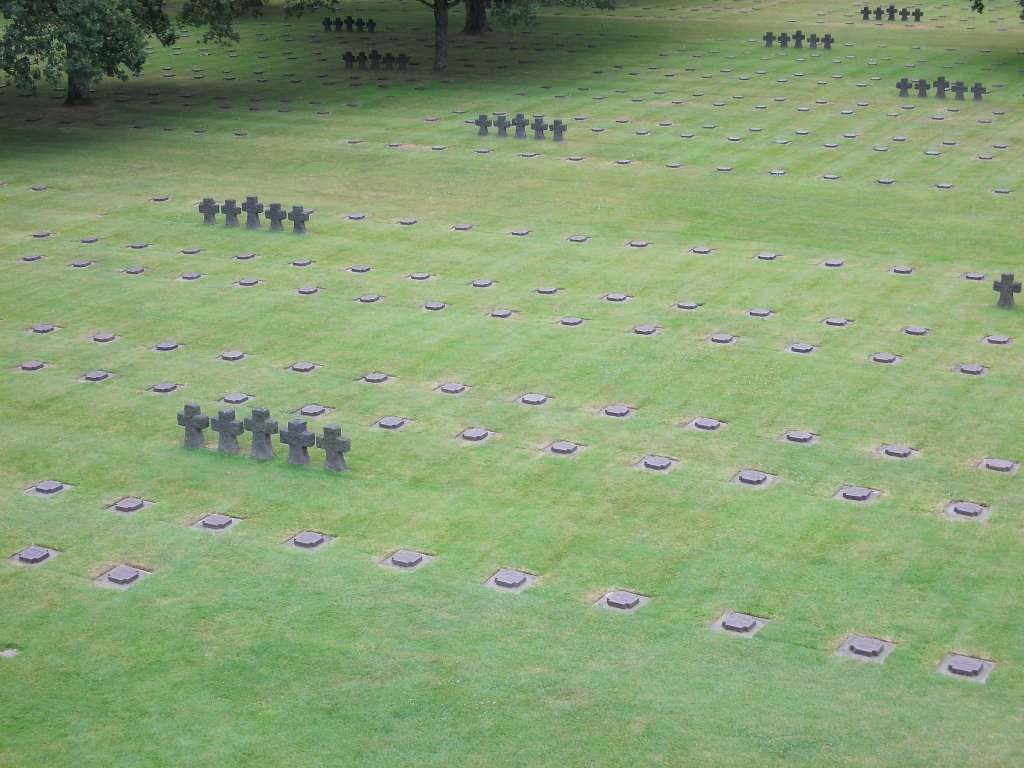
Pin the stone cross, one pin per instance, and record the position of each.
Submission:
(361, 59)
(768, 38)
(978, 89)
(327, 24)
(298, 217)
(262, 427)
(348, 58)
(827, 41)
(253, 208)
(230, 211)
(337, 23)
(784, 39)
(336, 446)
(360, 24)
(482, 123)
(865, 12)
(941, 86)
(922, 87)
(812, 40)
(520, 122)
(209, 209)
(798, 39)
(959, 88)
(891, 10)
(403, 62)
(389, 61)
(375, 59)
(276, 216)
(192, 419)
(501, 123)
(349, 21)
(904, 86)
(904, 14)
(918, 14)
(1006, 287)
(228, 428)
(298, 439)
(879, 13)
(371, 25)
(558, 129)
(539, 126)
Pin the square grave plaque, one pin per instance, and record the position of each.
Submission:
(967, 510)
(753, 478)
(653, 462)
(129, 505)
(864, 648)
(740, 624)
(309, 540)
(621, 600)
(122, 576)
(857, 494)
(966, 667)
(33, 555)
(47, 488)
(215, 522)
(406, 560)
(510, 580)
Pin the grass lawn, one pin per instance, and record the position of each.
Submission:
(239, 650)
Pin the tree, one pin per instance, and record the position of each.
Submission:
(81, 41)
(440, 9)
(476, 18)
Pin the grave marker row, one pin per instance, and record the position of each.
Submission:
(520, 124)
(941, 85)
(336, 23)
(374, 59)
(252, 207)
(798, 38)
(904, 14)
(298, 439)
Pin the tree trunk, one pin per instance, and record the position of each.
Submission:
(440, 35)
(78, 89)
(476, 17)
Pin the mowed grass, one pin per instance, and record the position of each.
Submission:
(241, 650)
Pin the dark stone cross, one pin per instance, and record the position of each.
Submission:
(539, 126)
(337, 23)
(375, 59)
(348, 58)
(360, 24)
(276, 216)
(941, 86)
(879, 13)
(798, 39)
(978, 89)
(298, 439)
(865, 12)
(1006, 287)
(904, 86)
(230, 210)
(482, 123)
(918, 14)
(784, 40)
(827, 41)
(209, 209)
(768, 38)
(812, 40)
(371, 25)
(959, 88)
(262, 427)
(922, 87)
(891, 10)
(228, 428)
(520, 122)
(403, 62)
(389, 61)
(361, 59)
(253, 208)
(349, 22)
(298, 217)
(558, 129)
(904, 14)
(501, 123)
(192, 419)
(336, 445)
(327, 24)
